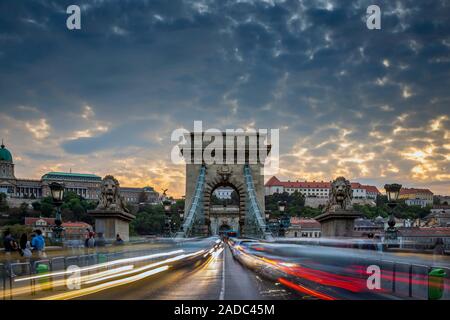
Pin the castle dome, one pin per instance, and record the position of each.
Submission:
(5, 155)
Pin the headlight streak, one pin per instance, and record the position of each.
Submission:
(104, 286)
(115, 283)
(62, 282)
(295, 270)
(153, 265)
(103, 275)
(305, 290)
(101, 265)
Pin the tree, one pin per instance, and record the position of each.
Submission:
(309, 212)
(47, 209)
(149, 220)
(294, 203)
(36, 206)
(381, 200)
(436, 201)
(3, 203)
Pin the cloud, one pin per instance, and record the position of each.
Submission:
(349, 100)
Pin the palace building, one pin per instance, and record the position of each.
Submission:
(317, 189)
(85, 185)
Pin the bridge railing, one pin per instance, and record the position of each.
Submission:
(411, 280)
(10, 272)
(196, 205)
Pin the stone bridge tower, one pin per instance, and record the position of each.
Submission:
(238, 150)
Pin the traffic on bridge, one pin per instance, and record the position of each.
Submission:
(229, 269)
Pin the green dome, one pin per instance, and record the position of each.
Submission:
(5, 155)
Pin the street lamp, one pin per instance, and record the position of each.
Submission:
(267, 213)
(282, 208)
(57, 191)
(168, 221)
(392, 192)
(167, 206)
(181, 214)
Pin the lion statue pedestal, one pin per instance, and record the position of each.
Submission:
(111, 216)
(338, 219)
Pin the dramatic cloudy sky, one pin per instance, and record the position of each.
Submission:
(370, 105)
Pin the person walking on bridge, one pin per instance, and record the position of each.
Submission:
(38, 243)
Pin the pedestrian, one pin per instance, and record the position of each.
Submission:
(86, 237)
(23, 243)
(119, 240)
(25, 246)
(38, 244)
(9, 243)
(10, 246)
(91, 240)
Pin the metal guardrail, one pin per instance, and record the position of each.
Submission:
(3, 280)
(408, 279)
(10, 271)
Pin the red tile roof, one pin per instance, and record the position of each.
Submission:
(275, 182)
(371, 189)
(414, 190)
(305, 223)
(31, 221)
(76, 224)
(425, 232)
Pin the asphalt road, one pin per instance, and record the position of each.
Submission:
(220, 279)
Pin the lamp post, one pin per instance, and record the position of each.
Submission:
(267, 216)
(168, 221)
(282, 208)
(181, 214)
(57, 191)
(392, 192)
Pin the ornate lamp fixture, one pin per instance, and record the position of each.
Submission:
(281, 206)
(57, 191)
(392, 192)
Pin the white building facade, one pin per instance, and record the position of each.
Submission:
(316, 189)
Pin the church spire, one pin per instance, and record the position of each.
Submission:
(3, 145)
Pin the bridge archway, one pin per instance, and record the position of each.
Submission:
(228, 216)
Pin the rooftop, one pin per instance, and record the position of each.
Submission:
(414, 190)
(305, 223)
(69, 175)
(5, 155)
(31, 220)
(275, 182)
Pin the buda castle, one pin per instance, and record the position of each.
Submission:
(85, 185)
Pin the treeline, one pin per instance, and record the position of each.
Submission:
(295, 205)
(151, 219)
(74, 208)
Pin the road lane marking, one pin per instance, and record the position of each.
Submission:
(222, 289)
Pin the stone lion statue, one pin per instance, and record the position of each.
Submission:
(340, 195)
(110, 198)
